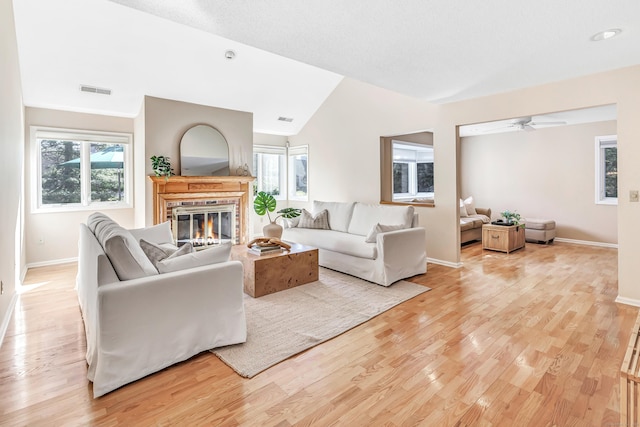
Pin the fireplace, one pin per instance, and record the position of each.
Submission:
(225, 199)
(204, 226)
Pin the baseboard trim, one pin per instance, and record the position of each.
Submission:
(587, 243)
(52, 262)
(628, 301)
(7, 317)
(445, 263)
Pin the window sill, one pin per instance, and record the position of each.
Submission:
(421, 204)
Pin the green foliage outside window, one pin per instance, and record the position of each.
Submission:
(611, 172)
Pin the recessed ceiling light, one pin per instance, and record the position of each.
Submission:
(285, 119)
(229, 54)
(606, 34)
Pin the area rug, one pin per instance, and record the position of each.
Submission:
(285, 323)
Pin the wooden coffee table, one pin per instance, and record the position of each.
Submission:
(503, 238)
(273, 272)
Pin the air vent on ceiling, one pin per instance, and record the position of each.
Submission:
(285, 119)
(93, 89)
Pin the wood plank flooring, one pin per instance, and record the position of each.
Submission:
(528, 338)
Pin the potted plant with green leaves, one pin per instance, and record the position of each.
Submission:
(161, 166)
(512, 218)
(265, 203)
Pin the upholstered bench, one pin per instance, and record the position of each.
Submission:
(539, 230)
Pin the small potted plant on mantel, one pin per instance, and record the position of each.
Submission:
(161, 166)
(265, 203)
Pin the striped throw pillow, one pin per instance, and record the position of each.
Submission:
(320, 220)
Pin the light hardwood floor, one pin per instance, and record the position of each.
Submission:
(528, 338)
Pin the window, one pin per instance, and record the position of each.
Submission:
(607, 170)
(80, 169)
(281, 171)
(270, 169)
(298, 170)
(412, 172)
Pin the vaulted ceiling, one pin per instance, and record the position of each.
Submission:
(290, 55)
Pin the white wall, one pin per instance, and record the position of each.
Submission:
(344, 135)
(620, 87)
(547, 173)
(165, 121)
(344, 146)
(11, 160)
(59, 231)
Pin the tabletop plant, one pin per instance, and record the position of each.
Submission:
(265, 203)
(512, 218)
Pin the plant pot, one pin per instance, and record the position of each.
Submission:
(272, 230)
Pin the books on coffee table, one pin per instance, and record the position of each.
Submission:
(261, 250)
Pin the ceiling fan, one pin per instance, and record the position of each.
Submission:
(525, 123)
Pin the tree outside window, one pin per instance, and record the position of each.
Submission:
(77, 170)
(607, 169)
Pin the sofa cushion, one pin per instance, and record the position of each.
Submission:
(336, 241)
(211, 255)
(127, 257)
(157, 253)
(463, 210)
(320, 220)
(157, 234)
(381, 228)
(473, 221)
(539, 224)
(365, 217)
(339, 213)
(470, 206)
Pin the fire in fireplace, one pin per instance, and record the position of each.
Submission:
(204, 226)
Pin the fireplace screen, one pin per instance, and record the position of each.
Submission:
(204, 226)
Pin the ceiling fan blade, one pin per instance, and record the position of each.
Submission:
(546, 123)
(500, 128)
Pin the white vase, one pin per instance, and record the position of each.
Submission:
(272, 230)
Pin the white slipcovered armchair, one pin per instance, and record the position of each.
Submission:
(138, 321)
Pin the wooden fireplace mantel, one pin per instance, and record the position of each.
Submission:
(178, 188)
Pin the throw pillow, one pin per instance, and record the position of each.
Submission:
(291, 222)
(379, 228)
(470, 206)
(212, 255)
(319, 220)
(463, 209)
(157, 253)
(160, 233)
(122, 249)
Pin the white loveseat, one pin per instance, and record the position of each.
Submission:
(138, 321)
(389, 256)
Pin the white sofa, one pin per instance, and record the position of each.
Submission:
(148, 321)
(388, 257)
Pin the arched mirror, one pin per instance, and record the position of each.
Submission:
(204, 152)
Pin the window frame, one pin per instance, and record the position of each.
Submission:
(601, 143)
(412, 170)
(282, 166)
(292, 152)
(85, 138)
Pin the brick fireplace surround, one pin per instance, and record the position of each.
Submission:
(168, 193)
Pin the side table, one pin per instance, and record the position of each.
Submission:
(503, 238)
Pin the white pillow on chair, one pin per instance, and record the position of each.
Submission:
(212, 255)
(157, 234)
